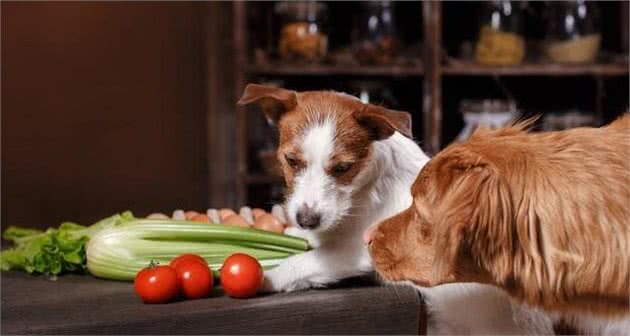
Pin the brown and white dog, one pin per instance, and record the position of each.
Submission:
(545, 217)
(348, 165)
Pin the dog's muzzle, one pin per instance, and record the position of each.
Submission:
(307, 218)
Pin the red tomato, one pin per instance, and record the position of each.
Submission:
(156, 284)
(241, 276)
(187, 256)
(195, 279)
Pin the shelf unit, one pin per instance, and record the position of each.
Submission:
(603, 70)
(431, 74)
(334, 70)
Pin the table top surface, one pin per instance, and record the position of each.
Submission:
(76, 304)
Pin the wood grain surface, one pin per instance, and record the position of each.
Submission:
(85, 305)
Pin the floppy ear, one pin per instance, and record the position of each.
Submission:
(382, 122)
(273, 101)
(473, 233)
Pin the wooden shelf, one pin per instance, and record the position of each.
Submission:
(431, 72)
(457, 69)
(339, 70)
(472, 69)
(262, 179)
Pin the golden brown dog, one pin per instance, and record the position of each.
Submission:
(545, 216)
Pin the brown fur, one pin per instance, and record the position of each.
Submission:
(357, 125)
(546, 216)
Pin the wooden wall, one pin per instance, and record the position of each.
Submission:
(103, 109)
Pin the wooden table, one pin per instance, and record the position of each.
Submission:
(77, 304)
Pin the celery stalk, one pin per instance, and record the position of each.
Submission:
(120, 252)
(119, 246)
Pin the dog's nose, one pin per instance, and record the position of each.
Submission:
(307, 218)
(368, 235)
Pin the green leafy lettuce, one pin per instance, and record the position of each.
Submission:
(56, 250)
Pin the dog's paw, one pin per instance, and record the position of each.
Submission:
(304, 234)
(274, 282)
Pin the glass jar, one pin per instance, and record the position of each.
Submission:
(375, 41)
(573, 33)
(500, 40)
(303, 34)
(489, 113)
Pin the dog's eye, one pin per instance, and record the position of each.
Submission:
(291, 160)
(341, 168)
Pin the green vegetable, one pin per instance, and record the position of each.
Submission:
(55, 250)
(119, 246)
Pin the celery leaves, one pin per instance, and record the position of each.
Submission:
(54, 251)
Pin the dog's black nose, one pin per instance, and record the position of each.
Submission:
(307, 218)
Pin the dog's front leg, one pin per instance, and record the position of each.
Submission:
(316, 268)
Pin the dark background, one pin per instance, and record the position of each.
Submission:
(103, 110)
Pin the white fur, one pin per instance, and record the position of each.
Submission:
(469, 309)
(313, 187)
(535, 321)
(590, 324)
(474, 309)
(380, 190)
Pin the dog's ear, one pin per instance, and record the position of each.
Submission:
(274, 101)
(473, 233)
(382, 122)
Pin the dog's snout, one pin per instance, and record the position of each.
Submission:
(308, 218)
(368, 235)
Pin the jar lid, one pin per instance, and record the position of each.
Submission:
(487, 106)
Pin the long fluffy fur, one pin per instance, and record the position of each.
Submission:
(546, 214)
